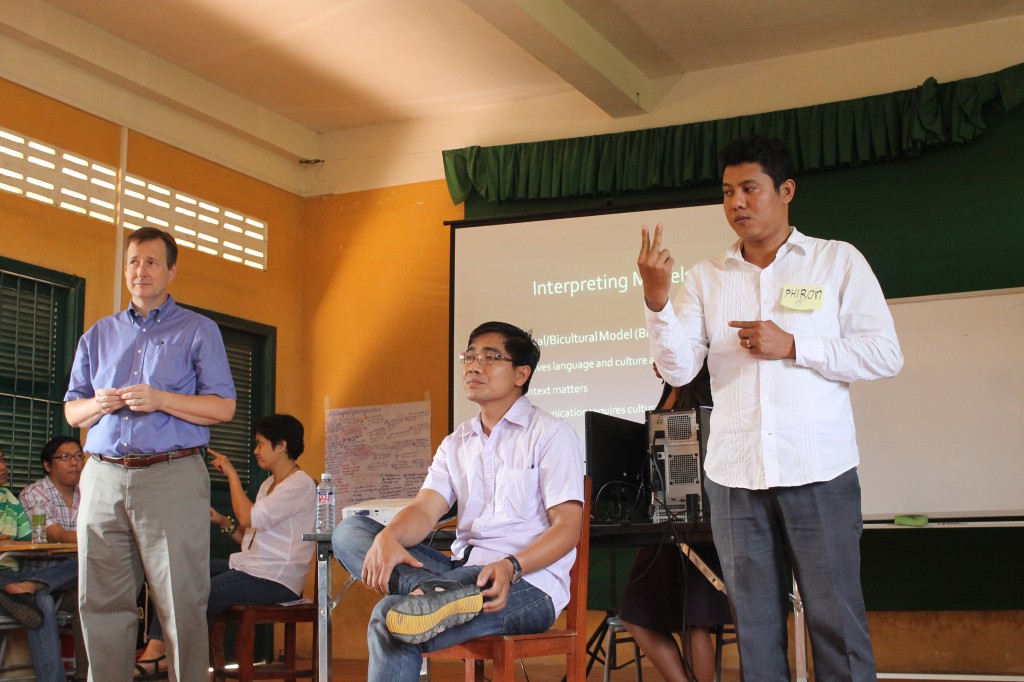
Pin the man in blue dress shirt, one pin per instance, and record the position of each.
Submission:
(147, 382)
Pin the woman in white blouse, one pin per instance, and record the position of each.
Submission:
(272, 566)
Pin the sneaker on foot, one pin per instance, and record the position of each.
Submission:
(444, 603)
(22, 608)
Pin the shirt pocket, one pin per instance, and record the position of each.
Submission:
(168, 367)
(522, 492)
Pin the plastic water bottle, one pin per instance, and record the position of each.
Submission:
(325, 505)
(38, 520)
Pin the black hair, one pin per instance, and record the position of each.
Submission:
(693, 395)
(148, 234)
(278, 428)
(51, 447)
(770, 153)
(519, 344)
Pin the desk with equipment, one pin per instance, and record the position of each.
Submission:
(647, 481)
(648, 485)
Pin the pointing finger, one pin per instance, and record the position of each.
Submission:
(742, 324)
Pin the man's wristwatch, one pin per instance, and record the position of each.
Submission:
(517, 570)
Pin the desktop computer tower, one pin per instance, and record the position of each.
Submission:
(678, 441)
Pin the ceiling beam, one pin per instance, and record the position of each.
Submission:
(82, 46)
(561, 40)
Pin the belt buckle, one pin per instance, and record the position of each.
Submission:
(129, 461)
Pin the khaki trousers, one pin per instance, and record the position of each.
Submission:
(152, 522)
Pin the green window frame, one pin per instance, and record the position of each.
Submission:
(252, 352)
(42, 314)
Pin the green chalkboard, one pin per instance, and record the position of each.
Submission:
(926, 569)
(945, 222)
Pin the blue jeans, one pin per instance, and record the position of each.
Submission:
(229, 587)
(44, 641)
(528, 609)
(815, 529)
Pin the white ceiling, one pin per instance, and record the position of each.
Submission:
(331, 65)
(312, 68)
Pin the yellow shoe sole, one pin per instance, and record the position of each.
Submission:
(418, 618)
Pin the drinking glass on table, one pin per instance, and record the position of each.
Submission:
(38, 520)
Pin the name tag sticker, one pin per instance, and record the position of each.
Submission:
(802, 296)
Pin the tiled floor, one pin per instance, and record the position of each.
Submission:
(444, 671)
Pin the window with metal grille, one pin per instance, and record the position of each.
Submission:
(251, 350)
(195, 223)
(50, 175)
(236, 438)
(41, 313)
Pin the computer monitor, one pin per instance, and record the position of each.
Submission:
(616, 451)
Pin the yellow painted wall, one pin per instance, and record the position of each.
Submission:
(376, 296)
(272, 297)
(43, 235)
(375, 272)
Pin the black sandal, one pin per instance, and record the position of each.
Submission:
(153, 674)
(22, 608)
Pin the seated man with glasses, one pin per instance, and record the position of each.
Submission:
(516, 473)
(28, 588)
(57, 492)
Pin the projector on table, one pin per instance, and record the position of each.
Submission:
(380, 510)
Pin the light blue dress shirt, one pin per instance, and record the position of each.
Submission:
(171, 349)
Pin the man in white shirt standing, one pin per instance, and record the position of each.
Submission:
(517, 475)
(787, 322)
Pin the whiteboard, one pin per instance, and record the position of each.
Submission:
(945, 437)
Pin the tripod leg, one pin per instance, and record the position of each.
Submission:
(595, 645)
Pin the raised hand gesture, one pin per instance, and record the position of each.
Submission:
(655, 266)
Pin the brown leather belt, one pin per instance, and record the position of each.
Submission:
(140, 461)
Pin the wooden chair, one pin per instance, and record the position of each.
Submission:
(248, 617)
(504, 650)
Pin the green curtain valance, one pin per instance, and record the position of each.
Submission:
(822, 136)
